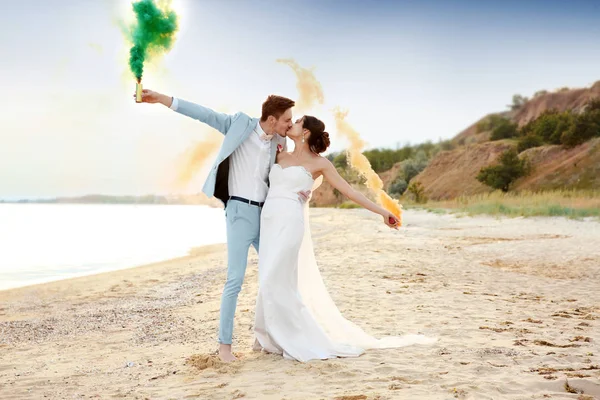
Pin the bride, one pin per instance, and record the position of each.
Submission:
(295, 316)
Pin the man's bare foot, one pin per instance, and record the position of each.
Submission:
(225, 353)
(256, 346)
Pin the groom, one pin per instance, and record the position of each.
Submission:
(239, 178)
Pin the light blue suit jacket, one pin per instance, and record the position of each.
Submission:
(236, 128)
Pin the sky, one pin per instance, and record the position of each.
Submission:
(407, 72)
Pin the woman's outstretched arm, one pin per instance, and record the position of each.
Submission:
(333, 177)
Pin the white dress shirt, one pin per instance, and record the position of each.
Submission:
(249, 165)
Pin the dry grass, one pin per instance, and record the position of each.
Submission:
(564, 203)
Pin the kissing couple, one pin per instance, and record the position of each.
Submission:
(265, 190)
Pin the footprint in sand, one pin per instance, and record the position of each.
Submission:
(202, 362)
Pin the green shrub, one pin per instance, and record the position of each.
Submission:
(585, 127)
(490, 122)
(341, 160)
(446, 145)
(417, 191)
(529, 141)
(384, 159)
(548, 126)
(502, 175)
(398, 187)
(545, 125)
(505, 129)
(381, 159)
(565, 121)
(413, 166)
(594, 104)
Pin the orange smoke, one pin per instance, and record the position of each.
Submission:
(309, 88)
(194, 157)
(361, 164)
(189, 163)
(310, 94)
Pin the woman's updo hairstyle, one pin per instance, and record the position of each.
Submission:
(318, 141)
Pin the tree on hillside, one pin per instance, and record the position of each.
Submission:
(518, 101)
(502, 175)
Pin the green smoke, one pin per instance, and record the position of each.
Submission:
(154, 32)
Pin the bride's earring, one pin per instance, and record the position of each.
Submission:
(303, 137)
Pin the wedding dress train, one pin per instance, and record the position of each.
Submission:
(295, 315)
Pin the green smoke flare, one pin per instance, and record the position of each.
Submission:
(155, 31)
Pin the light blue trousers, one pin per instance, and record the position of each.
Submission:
(243, 229)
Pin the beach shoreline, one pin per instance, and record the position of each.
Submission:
(97, 275)
(511, 300)
(49, 242)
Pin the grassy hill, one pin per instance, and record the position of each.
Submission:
(558, 133)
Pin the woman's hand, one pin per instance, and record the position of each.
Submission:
(390, 220)
(333, 177)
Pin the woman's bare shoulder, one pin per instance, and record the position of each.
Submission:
(322, 161)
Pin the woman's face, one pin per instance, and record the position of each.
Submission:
(296, 129)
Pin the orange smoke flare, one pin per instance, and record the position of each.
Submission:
(361, 164)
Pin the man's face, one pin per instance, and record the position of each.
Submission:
(296, 130)
(284, 123)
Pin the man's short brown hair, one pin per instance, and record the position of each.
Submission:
(275, 106)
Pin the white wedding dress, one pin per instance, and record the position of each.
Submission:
(295, 316)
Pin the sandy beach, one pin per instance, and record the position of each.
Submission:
(515, 304)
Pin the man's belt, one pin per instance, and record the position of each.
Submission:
(243, 200)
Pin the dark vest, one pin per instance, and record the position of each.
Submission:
(222, 182)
